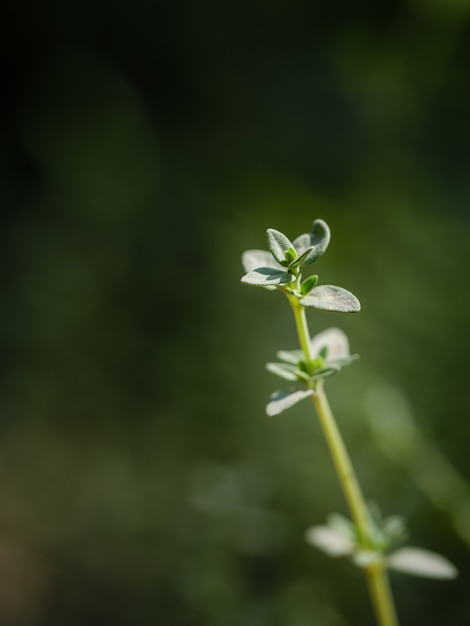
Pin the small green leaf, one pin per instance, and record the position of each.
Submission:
(252, 259)
(267, 276)
(291, 257)
(283, 400)
(284, 370)
(318, 239)
(331, 298)
(419, 562)
(308, 284)
(290, 356)
(279, 244)
(317, 363)
(300, 260)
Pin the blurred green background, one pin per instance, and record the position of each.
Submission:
(144, 146)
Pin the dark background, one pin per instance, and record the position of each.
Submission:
(144, 146)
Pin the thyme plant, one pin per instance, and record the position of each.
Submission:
(367, 539)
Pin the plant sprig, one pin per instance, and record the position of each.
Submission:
(281, 268)
(368, 539)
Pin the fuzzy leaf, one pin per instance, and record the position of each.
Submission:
(340, 363)
(419, 562)
(279, 244)
(342, 524)
(318, 239)
(282, 400)
(284, 370)
(394, 529)
(325, 372)
(252, 259)
(336, 342)
(290, 356)
(302, 242)
(331, 298)
(266, 277)
(329, 540)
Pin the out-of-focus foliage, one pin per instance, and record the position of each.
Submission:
(141, 482)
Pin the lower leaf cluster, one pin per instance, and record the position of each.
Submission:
(294, 368)
(340, 538)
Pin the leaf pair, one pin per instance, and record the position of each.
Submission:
(330, 351)
(322, 298)
(304, 250)
(338, 539)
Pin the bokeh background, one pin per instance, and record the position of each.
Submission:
(144, 146)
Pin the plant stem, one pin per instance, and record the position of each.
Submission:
(302, 329)
(376, 574)
(381, 594)
(343, 465)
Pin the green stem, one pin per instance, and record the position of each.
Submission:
(376, 574)
(381, 594)
(302, 329)
(343, 465)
